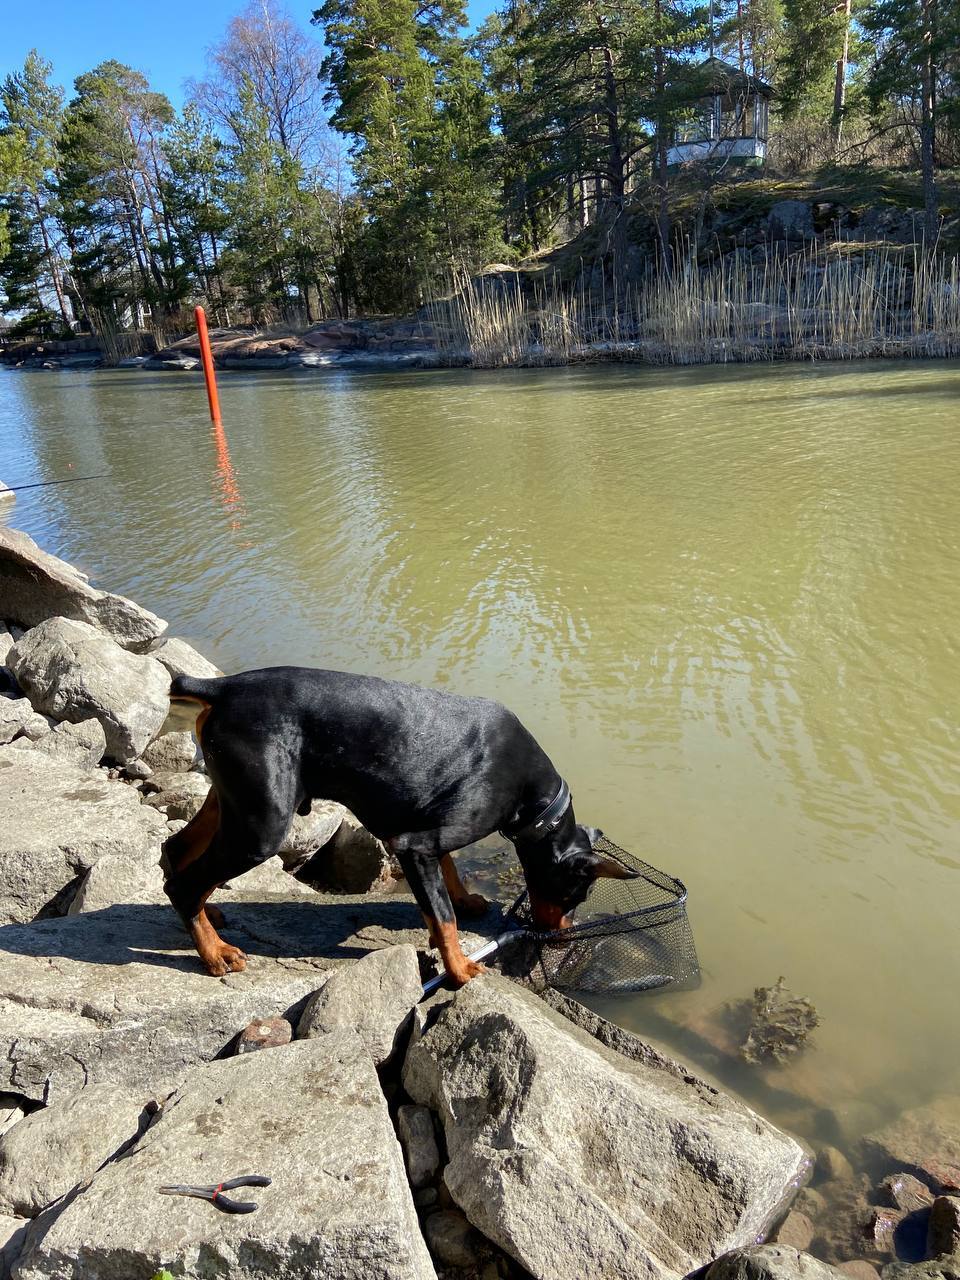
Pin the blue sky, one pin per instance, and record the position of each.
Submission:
(167, 41)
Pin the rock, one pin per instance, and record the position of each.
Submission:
(351, 860)
(796, 1231)
(415, 1128)
(311, 832)
(904, 1191)
(811, 1203)
(451, 1239)
(833, 1166)
(858, 1269)
(137, 770)
(880, 1227)
(35, 586)
(769, 1262)
(180, 795)
(58, 821)
(425, 1198)
(38, 726)
(72, 671)
(15, 714)
(924, 1141)
(119, 878)
(264, 1033)
(6, 640)
(83, 744)
(374, 997)
(943, 1229)
(580, 1161)
(119, 994)
(53, 1149)
(181, 659)
(938, 1269)
(13, 1232)
(11, 1111)
(171, 753)
(791, 220)
(312, 1118)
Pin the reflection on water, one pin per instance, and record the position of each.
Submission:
(724, 600)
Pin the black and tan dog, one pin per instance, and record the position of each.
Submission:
(426, 772)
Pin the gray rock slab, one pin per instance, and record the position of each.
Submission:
(50, 1151)
(13, 1233)
(770, 1262)
(119, 994)
(58, 821)
(350, 860)
(310, 1116)
(11, 1111)
(580, 1161)
(83, 744)
(374, 997)
(181, 659)
(419, 1142)
(72, 671)
(171, 752)
(35, 586)
(15, 714)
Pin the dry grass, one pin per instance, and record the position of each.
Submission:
(827, 304)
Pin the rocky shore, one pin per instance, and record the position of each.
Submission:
(483, 1134)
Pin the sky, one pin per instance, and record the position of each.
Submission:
(167, 41)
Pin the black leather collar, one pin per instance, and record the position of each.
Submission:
(545, 823)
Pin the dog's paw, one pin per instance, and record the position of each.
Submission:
(226, 960)
(473, 904)
(463, 974)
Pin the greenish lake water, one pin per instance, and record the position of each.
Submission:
(724, 599)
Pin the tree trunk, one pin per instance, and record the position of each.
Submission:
(927, 123)
(840, 84)
(663, 210)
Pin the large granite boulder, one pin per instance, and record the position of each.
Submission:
(35, 586)
(72, 671)
(312, 1118)
(375, 997)
(581, 1161)
(48, 1153)
(120, 995)
(59, 819)
(83, 744)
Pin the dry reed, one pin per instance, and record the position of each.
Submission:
(832, 303)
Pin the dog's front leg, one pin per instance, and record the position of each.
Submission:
(422, 870)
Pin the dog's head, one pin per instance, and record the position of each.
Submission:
(560, 870)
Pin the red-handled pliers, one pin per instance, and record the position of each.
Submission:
(215, 1193)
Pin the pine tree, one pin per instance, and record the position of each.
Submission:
(31, 111)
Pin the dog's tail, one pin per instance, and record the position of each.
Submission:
(189, 689)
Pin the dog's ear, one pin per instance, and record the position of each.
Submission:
(593, 834)
(611, 869)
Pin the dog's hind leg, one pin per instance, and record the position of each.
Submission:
(240, 843)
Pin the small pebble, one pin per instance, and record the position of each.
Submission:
(264, 1033)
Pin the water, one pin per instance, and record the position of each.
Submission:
(724, 599)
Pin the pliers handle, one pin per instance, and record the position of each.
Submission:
(214, 1193)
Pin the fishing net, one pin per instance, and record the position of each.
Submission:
(628, 935)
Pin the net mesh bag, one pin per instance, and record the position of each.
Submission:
(628, 935)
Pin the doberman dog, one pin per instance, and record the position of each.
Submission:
(426, 772)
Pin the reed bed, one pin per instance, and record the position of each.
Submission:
(835, 303)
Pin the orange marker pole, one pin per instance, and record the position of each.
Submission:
(207, 358)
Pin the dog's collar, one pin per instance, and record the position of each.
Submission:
(545, 822)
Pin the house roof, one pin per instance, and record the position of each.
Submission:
(713, 75)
